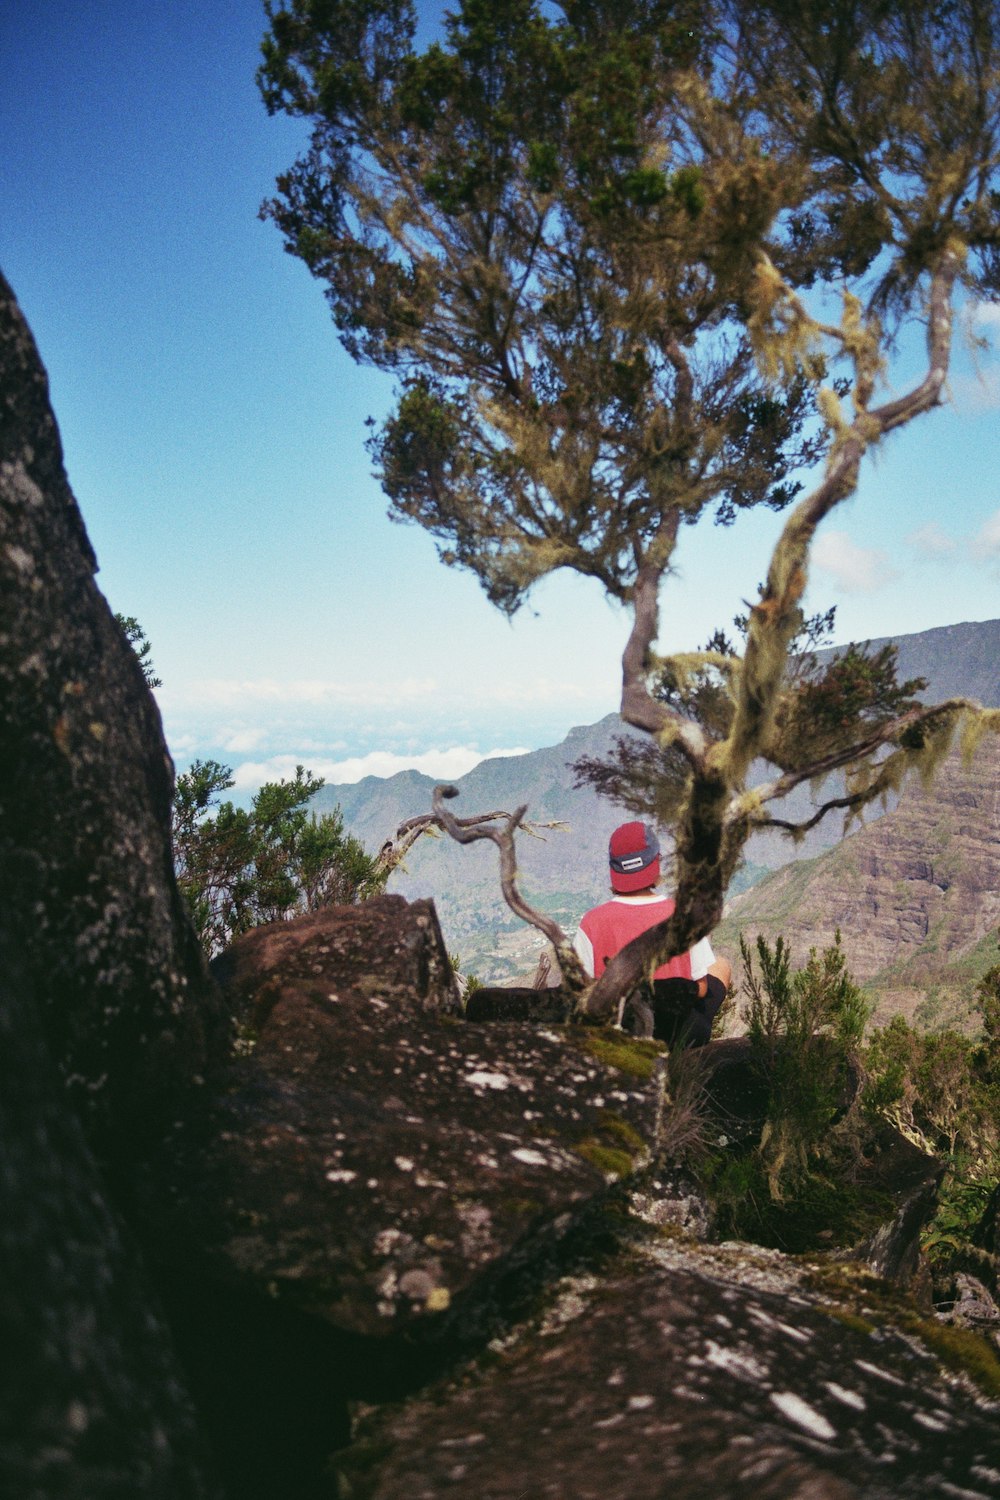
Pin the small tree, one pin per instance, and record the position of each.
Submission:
(139, 641)
(596, 243)
(238, 868)
(805, 1030)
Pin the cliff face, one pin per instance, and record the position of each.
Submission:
(914, 895)
(106, 1015)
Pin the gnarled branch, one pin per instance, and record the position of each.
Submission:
(395, 849)
(469, 831)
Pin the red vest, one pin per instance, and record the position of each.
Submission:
(610, 926)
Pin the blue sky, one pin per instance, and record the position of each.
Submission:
(214, 436)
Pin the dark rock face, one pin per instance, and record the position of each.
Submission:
(693, 1373)
(92, 1402)
(86, 878)
(379, 1163)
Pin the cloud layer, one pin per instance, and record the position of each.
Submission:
(854, 569)
(443, 765)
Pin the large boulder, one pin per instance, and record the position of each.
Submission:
(92, 1401)
(86, 878)
(693, 1372)
(107, 1017)
(378, 1162)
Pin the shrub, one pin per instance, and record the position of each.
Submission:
(805, 1029)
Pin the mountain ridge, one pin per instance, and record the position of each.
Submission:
(566, 872)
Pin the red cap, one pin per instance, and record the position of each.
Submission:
(634, 856)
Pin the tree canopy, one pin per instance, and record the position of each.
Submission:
(640, 263)
(240, 867)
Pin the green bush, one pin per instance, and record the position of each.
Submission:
(805, 1030)
(240, 867)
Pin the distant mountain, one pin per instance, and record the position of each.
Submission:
(915, 897)
(566, 871)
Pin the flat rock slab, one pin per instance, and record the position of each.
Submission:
(381, 1166)
(690, 1374)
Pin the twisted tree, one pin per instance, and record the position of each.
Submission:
(596, 243)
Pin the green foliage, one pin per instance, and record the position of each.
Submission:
(238, 868)
(805, 1029)
(988, 1004)
(551, 223)
(822, 707)
(940, 1088)
(137, 639)
(826, 1209)
(961, 1204)
(943, 1091)
(800, 1186)
(545, 225)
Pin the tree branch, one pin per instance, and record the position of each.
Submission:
(939, 331)
(774, 619)
(638, 707)
(395, 849)
(469, 831)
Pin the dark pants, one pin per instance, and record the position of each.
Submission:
(681, 1017)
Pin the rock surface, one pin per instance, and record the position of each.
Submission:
(377, 1162)
(86, 878)
(691, 1373)
(92, 1400)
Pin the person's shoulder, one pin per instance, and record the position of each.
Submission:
(596, 912)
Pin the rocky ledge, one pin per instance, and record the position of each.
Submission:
(460, 1252)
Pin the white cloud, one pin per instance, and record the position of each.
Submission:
(854, 569)
(932, 541)
(986, 315)
(443, 765)
(988, 536)
(974, 394)
(243, 741)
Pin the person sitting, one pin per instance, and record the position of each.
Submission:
(687, 991)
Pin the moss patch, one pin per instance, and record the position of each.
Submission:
(960, 1349)
(633, 1055)
(851, 1320)
(613, 1148)
(622, 1133)
(610, 1161)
